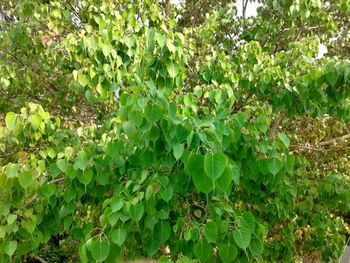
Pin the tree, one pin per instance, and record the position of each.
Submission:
(139, 133)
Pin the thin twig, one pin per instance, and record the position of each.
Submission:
(40, 259)
(334, 140)
(244, 7)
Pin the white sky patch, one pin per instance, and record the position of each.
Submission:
(322, 50)
(177, 3)
(251, 8)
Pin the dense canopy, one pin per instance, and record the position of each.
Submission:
(179, 132)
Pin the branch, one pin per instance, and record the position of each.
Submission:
(75, 12)
(31, 200)
(197, 14)
(275, 125)
(334, 140)
(41, 260)
(244, 7)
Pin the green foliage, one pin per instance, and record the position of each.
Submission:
(165, 142)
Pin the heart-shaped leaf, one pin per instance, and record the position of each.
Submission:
(194, 167)
(215, 164)
(100, 249)
(242, 237)
(274, 165)
(119, 236)
(228, 252)
(136, 212)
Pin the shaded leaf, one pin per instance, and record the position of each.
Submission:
(274, 165)
(194, 167)
(202, 250)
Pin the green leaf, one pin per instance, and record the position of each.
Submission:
(167, 193)
(290, 161)
(81, 161)
(11, 120)
(224, 182)
(247, 221)
(2, 232)
(211, 232)
(117, 205)
(242, 237)
(10, 247)
(332, 78)
(68, 152)
(284, 139)
(136, 212)
(11, 218)
(161, 39)
(256, 247)
(129, 41)
(12, 170)
(25, 179)
(85, 177)
(194, 167)
(130, 129)
(100, 248)
(152, 87)
(62, 164)
(83, 80)
(202, 250)
(118, 236)
(48, 190)
(153, 113)
(106, 49)
(170, 45)
(135, 118)
(274, 165)
(178, 150)
(162, 230)
(91, 42)
(236, 171)
(173, 70)
(215, 164)
(227, 252)
(36, 121)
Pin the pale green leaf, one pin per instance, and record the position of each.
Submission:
(25, 179)
(11, 120)
(178, 150)
(173, 70)
(10, 247)
(36, 121)
(83, 80)
(119, 236)
(284, 139)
